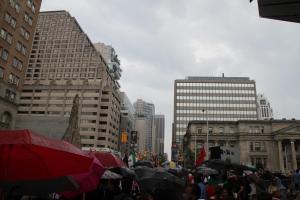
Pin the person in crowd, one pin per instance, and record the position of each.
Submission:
(191, 192)
(273, 189)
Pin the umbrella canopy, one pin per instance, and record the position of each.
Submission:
(108, 160)
(143, 163)
(150, 179)
(223, 165)
(25, 155)
(87, 181)
(110, 175)
(39, 187)
(124, 172)
(206, 170)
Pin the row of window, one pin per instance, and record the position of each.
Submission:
(18, 64)
(244, 85)
(229, 98)
(257, 146)
(28, 19)
(228, 105)
(210, 91)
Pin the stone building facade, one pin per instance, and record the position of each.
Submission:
(63, 63)
(275, 144)
(18, 21)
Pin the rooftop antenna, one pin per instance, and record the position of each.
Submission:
(222, 75)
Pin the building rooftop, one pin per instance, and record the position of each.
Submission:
(216, 79)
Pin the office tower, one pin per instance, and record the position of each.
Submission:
(212, 98)
(159, 134)
(127, 123)
(263, 107)
(17, 25)
(64, 63)
(145, 111)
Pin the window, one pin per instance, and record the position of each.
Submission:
(9, 19)
(210, 130)
(30, 5)
(3, 53)
(15, 5)
(10, 95)
(28, 19)
(221, 130)
(1, 72)
(6, 35)
(13, 79)
(17, 63)
(199, 131)
(21, 48)
(24, 33)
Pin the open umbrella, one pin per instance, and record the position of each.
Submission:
(87, 181)
(143, 163)
(110, 175)
(206, 170)
(108, 160)
(25, 155)
(41, 188)
(124, 172)
(150, 179)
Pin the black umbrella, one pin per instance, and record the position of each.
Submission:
(39, 187)
(225, 165)
(143, 163)
(150, 179)
(206, 171)
(124, 172)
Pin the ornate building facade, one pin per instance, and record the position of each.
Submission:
(275, 144)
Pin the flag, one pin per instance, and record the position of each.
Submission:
(201, 157)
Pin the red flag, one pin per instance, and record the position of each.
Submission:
(201, 157)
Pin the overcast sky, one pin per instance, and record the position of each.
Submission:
(159, 41)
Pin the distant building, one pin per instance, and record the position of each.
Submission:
(127, 122)
(273, 144)
(18, 21)
(64, 62)
(141, 128)
(110, 56)
(145, 111)
(264, 108)
(211, 98)
(159, 135)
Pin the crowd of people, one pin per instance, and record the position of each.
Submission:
(229, 186)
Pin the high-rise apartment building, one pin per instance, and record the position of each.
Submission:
(212, 98)
(145, 110)
(17, 25)
(159, 134)
(264, 108)
(63, 63)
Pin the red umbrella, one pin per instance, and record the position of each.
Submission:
(87, 181)
(109, 160)
(28, 156)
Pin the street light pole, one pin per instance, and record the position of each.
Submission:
(206, 134)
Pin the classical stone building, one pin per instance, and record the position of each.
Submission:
(273, 143)
(17, 26)
(63, 63)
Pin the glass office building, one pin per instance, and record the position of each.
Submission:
(212, 98)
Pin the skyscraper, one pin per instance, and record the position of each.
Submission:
(17, 25)
(263, 107)
(146, 111)
(212, 98)
(63, 63)
(159, 134)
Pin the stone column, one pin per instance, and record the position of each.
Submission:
(280, 158)
(294, 159)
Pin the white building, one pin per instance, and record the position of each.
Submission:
(263, 107)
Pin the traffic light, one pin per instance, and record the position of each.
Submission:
(124, 137)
